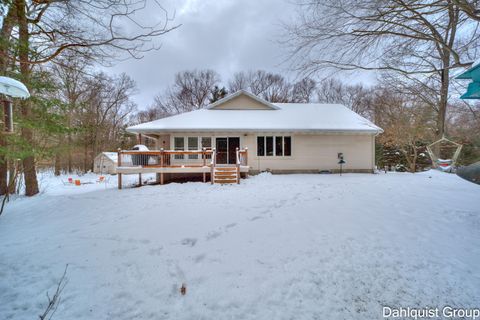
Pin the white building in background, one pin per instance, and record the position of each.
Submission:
(105, 163)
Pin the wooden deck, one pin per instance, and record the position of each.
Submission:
(181, 162)
(184, 169)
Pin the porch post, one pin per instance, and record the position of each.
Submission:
(212, 168)
(237, 160)
(246, 162)
(119, 164)
(161, 165)
(204, 157)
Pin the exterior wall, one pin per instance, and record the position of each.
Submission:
(103, 164)
(242, 102)
(317, 152)
(310, 152)
(163, 141)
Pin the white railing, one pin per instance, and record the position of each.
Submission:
(163, 158)
(213, 163)
(237, 153)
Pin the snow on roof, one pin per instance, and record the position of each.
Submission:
(306, 117)
(111, 155)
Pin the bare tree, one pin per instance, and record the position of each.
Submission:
(303, 90)
(269, 86)
(257, 82)
(239, 81)
(471, 8)
(356, 97)
(191, 90)
(277, 89)
(149, 114)
(70, 72)
(407, 124)
(463, 123)
(94, 28)
(104, 112)
(417, 41)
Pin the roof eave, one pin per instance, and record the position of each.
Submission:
(250, 130)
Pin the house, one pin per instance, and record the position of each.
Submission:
(105, 162)
(279, 137)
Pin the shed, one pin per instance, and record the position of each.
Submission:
(105, 162)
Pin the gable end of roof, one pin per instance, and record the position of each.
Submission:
(239, 93)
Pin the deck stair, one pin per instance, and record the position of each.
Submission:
(225, 175)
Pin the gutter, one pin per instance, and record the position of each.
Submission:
(174, 130)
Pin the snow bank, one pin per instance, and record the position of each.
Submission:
(273, 247)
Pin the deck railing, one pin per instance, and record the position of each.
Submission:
(213, 163)
(164, 158)
(242, 157)
(174, 159)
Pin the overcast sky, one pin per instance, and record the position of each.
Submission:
(224, 35)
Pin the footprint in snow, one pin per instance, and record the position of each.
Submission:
(189, 242)
(155, 251)
(199, 258)
(213, 235)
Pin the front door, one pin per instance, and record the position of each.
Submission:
(226, 149)
(233, 144)
(222, 150)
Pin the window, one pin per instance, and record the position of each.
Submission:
(192, 145)
(279, 146)
(207, 144)
(269, 144)
(287, 146)
(260, 146)
(178, 145)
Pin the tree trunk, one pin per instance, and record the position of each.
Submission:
(85, 157)
(442, 107)
(4, 54)
(12, 176)
(69, 164)
(31, 183)
(58, 164)
(58, 156)
(413, 164)
(3, 167)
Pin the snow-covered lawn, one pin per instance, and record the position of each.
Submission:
(273, 247)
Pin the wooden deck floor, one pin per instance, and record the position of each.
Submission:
(178, 169)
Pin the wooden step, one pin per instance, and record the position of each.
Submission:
(225, 173)
(225, 169)
(225, 177)
(224, 181)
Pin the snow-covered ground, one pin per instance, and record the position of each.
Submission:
(52, 185)
(273, 247)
